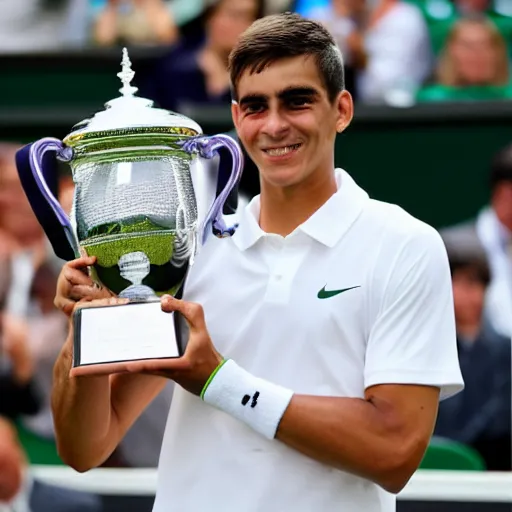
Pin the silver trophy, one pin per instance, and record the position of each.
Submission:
(146, 197)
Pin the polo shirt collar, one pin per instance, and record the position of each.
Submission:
(327, 225)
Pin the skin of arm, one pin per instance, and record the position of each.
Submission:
(382, 437)
(93, 413)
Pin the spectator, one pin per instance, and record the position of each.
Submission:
(441, 15)
(480, 416)
(492, 228)
(31, 25)
(137, 22)
(195, 72)
(19, 491)
(399, 53)
(345, 21)
(17, 388)
(473, 66)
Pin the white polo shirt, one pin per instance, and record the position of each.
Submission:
(274, 305)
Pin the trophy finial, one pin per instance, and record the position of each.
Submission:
(126, 75)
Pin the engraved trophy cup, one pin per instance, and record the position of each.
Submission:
(147, 195)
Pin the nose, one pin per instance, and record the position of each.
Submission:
(276, 125)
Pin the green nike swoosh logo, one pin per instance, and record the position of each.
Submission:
(327, 294)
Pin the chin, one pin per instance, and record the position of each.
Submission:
(281, 176)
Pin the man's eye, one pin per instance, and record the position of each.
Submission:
(254, 108)
(299, 102)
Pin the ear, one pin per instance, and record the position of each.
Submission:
(235, 113)
(345, 110)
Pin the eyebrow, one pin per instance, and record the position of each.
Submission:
(285, 94)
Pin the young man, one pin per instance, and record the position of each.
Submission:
(334, 311)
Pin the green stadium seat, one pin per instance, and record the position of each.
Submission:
(39, 450)
(445, 454)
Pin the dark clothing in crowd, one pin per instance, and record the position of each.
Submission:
(480, 416)
(16, 399)
(176, 80)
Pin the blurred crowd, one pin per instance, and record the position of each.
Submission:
(397, 52)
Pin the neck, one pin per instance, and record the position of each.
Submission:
(283, 209)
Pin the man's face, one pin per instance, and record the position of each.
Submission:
(286, 121)
(468, 296)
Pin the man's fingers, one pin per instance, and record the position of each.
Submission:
(111, 301)
(82, 262)
(162, 367)
(74, 276)
(88, 292)
(192, 312)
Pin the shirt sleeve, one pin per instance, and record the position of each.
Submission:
(413, 337)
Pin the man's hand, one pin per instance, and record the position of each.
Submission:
(74, 284)
(192, 370)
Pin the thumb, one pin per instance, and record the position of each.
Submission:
(192, 312)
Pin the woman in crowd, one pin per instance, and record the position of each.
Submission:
(473, 65)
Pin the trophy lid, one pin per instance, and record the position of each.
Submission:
(130, 113)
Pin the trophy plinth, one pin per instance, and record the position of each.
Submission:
(139, 210)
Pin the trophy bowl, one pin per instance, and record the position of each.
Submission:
(146, 198)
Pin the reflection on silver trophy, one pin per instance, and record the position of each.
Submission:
(146, 196)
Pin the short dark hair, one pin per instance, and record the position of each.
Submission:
(501, 167)
(282, 36)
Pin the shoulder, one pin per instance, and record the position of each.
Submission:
(400, 229)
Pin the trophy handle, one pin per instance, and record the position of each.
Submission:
(34, 169)
(206, 147)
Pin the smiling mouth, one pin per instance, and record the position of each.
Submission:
(282, 151)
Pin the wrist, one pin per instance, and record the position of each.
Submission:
(258, 403)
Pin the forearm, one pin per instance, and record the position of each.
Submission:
(350, 434)
(381, 438)
(82, 415)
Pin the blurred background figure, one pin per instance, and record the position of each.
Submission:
(21, 397)
(480, 416)
(32, 25)
(195, 71)
(441, 15)
(21, 492)
(474, 65)
(493, 230)
(127, 22)
(399, 53)
(345, 20)
(385, 41)
(17, 388)
(133, 22)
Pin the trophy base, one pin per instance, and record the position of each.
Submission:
(108, 337)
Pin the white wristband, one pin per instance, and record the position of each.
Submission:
(257, 402)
